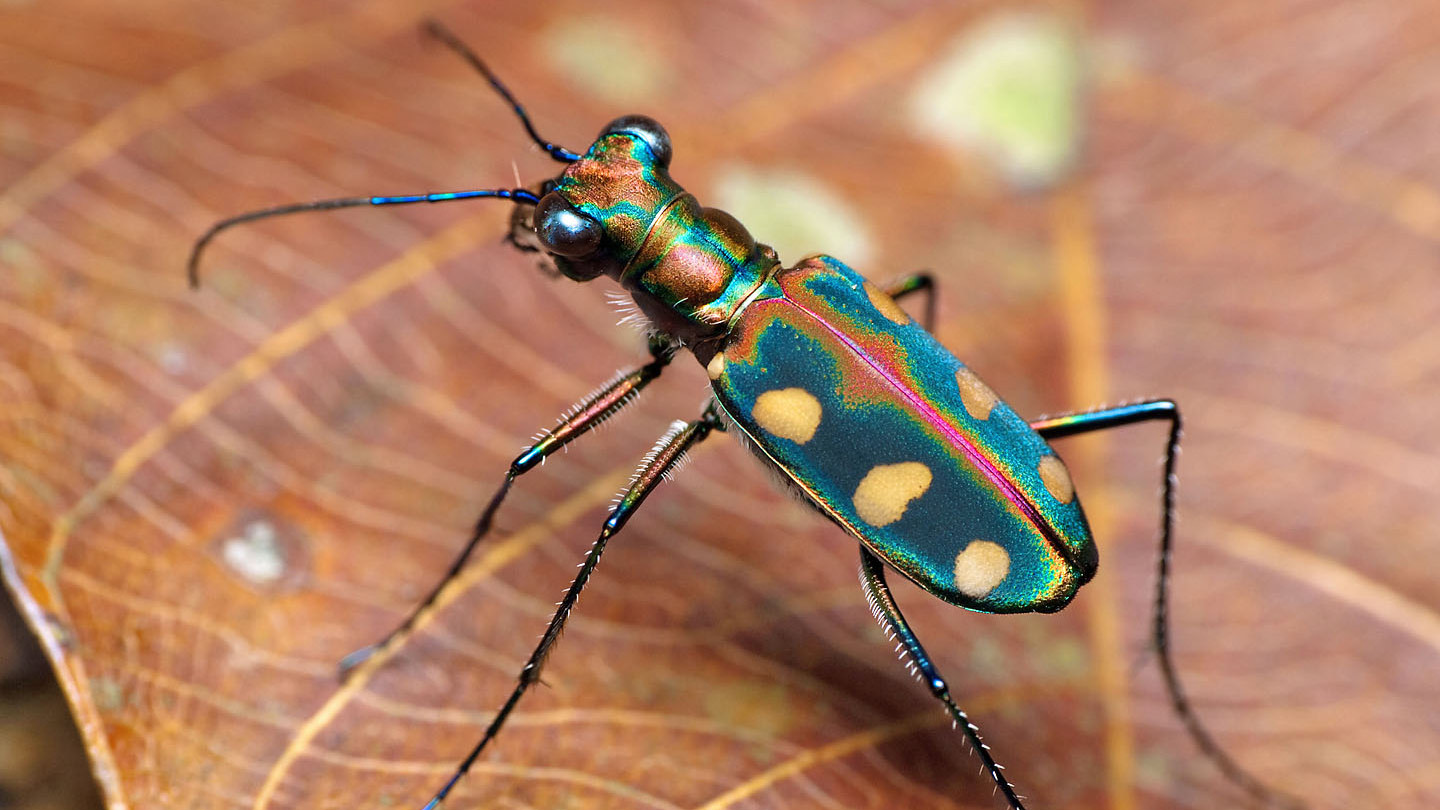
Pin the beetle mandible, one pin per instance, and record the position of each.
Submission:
(830, 384)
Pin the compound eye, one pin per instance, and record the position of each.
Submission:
(565, 231)
(646, 129)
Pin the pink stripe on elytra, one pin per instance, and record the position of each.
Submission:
(985, 465)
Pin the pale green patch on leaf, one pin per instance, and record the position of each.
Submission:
(108, 694)
(25, 273)
(1065, 659)
(1008, 91)
(989, 661)
(606, 58)
(795, 213)
(758, 707)
(1154, 770)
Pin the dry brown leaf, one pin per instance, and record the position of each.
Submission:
(208, 498)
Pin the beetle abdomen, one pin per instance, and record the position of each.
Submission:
(902, 445)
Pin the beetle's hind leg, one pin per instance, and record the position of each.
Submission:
(882, 603)
(921, 282)
(583, 417)
(1164, 410)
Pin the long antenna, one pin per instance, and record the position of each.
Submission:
(448, 38)
(193, 266)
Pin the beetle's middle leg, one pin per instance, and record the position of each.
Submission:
(584, 416)
(882, 603)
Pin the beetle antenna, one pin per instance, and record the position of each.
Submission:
(193, 266)
(449, 40)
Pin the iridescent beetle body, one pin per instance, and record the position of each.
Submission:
(876, 423)
(830, 384)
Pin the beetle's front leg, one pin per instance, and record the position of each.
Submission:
(583, 417)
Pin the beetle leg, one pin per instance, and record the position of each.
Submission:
(887, 612)
(663, 459)
(916, 282)
(1164, 410)
(584, 416)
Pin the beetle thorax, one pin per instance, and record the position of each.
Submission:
(617, 212)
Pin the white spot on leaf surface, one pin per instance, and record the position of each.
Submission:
(256, 554)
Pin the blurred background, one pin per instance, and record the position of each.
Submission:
(207, 498)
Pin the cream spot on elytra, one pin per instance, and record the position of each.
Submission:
(885, 304)
(790, 413)
(980, 567)
(716, 366)
(887, 490)
(1057, 478)
(979, 400)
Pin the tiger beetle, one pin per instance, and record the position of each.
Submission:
(830, 384)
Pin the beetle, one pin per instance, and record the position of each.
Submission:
(850, 403)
